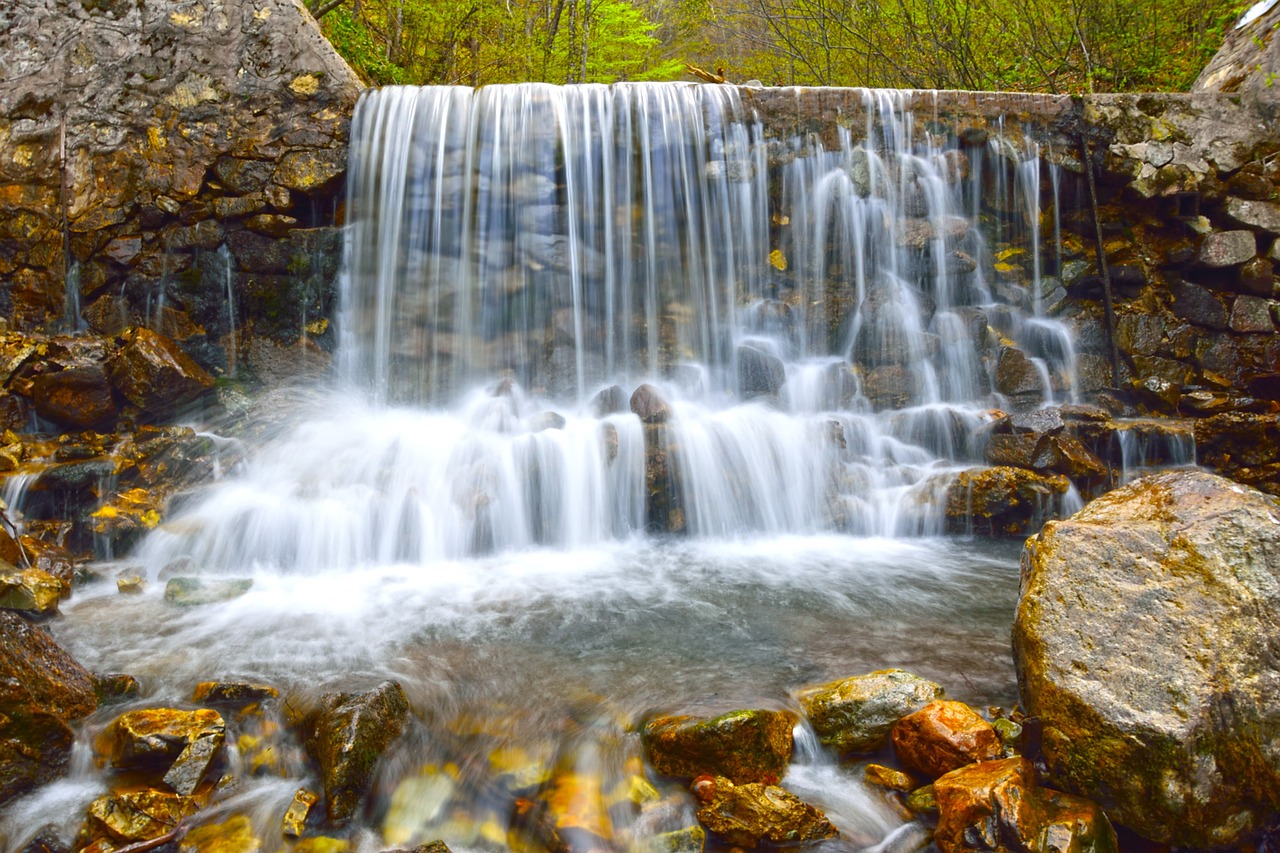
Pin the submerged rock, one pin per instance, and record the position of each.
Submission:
(190, 592)
(351, 731)
(747, 814)
(235, 693)
(744, 746)
(856, 714)
(943, 736)
(996, 806)
(1145, 641)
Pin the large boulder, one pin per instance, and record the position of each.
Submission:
(744, 746)
(856, 714)
(1146, 643)
(42, 688)
(351, 731)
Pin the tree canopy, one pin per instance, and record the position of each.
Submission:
(1021, 45)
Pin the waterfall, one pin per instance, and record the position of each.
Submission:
(821, 322)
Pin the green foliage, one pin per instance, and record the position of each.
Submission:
(1025, 45)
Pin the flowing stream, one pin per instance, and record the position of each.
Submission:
(472, 508)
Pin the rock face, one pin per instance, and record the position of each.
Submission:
(351, 732)
(41, 689)
(856, 714)
(137, 140)
(1146, 642)
(744, 746)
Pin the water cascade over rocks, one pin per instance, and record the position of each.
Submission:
(574, 323)
(815, 328)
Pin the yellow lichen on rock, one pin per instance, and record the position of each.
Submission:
(305, 85)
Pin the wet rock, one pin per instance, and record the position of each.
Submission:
(744, 815)
(1242, 446)
(691, 839)
(609, 401)
(351, 731)
(35, 746)
(154, 375)
(115, 687)
(30, 591)
(1016, 375)
(1257, 278)
(138, 815)
(744, 746)
(192, 592)
(856, 714)
(943, 736)
(1251, 315)
(1197, 305)
(996, 806)
(760, 373)
(234, 693)
(1258, 215)
(295, 817)
(182, 744)
(921, 801)
(1002, 501)
(543, 421)
(1165, 716)
(649, 405)
(919, 233)
(887, 777)
(1019, 451)
(1226, 249)
(36, 671)
(231, 836)
(75, 398)
(891, 386)
(46, 840)
(1047, 421)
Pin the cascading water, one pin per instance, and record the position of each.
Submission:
(472, 510)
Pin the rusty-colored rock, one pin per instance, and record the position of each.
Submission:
(153, 374)
(996, 806)
(943, 736)
(745, 815)
(76, 398)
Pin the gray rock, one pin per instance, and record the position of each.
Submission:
(760, 373)
(1257, 277)
(1258, 215)
(1197, 305)
(191, 592)
(1226, 249)
(1251, 314)
(856, 714)
(1145, 641)
(352, 730)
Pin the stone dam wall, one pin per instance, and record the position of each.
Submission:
(180, 166)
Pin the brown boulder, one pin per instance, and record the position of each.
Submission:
(138, 815)
(943, 736)
(351, 731)
(153, 374)
(649, 405)
(75, 398)
(996, 806)
(745, 815)
(745, 746)
(32, 591)
(41, 688)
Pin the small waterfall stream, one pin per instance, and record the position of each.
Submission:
(473, 508)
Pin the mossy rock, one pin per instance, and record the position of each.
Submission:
(743, 746)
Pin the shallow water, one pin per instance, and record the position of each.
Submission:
(563, 652)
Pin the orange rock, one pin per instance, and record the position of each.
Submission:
(151, 372)
(997, 806)
(943, 736)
